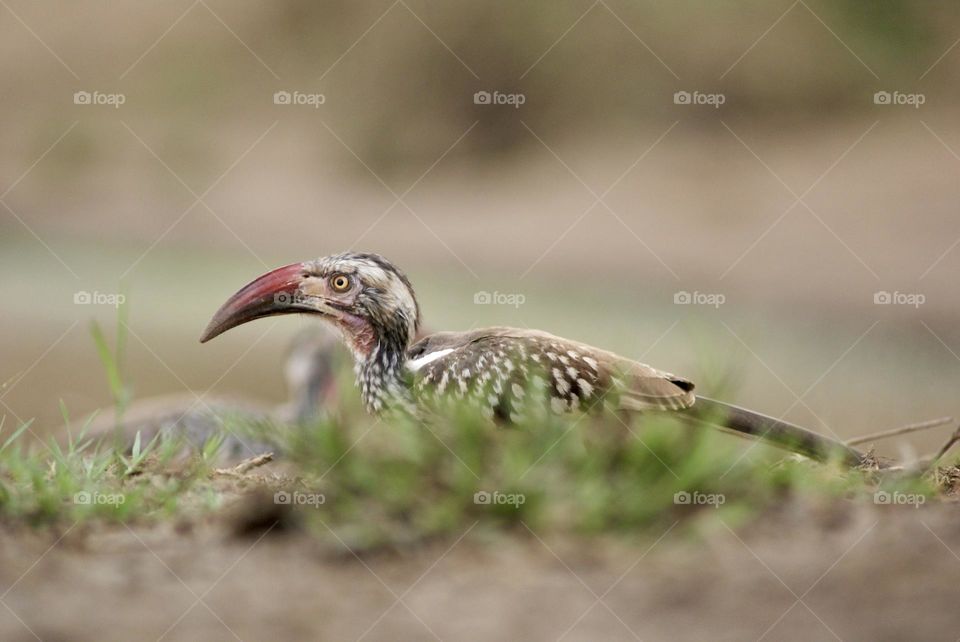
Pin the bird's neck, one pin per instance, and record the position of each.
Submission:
(381, 372)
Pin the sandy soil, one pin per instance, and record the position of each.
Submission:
(844, 571)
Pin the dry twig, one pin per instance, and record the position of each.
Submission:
(245, 466)
(902, 430)
(954, 438)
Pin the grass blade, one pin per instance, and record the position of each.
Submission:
(19, 431)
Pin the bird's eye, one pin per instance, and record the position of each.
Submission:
(340, 282)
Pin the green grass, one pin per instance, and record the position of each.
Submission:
(402, 480)
(394, 480)
(84, 480)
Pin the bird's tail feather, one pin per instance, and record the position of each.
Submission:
(773, 431)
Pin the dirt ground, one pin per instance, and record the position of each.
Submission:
(845, 571)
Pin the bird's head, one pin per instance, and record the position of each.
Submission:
(365, 296)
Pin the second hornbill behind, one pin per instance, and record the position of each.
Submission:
(372, 303)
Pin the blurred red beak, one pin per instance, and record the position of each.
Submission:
(275, 292)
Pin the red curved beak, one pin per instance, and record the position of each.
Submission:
(276, 292)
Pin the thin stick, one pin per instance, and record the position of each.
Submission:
(245, 466)
(903, 430)
(954, 438)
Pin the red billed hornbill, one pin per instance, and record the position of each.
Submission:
(312, 364)
(373, 305)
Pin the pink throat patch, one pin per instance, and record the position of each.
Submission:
(359, 334)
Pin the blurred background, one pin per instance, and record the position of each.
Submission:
(762, 196)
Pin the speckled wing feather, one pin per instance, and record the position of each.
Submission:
(498, 366)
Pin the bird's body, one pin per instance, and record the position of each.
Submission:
(507, 372)
(499, 369)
